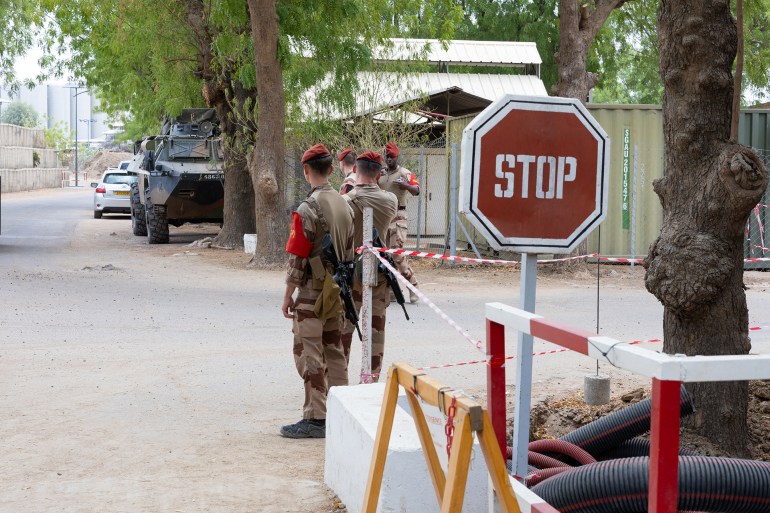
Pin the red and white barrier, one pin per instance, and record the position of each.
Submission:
(667, 373)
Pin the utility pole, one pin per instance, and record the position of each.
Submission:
(76, 87)
(89, 121)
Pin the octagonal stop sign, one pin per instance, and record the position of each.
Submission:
(535, 172)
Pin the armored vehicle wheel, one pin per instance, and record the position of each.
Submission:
(156, 222)
(97, 214)
(138, 220)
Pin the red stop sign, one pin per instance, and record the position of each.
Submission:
(535, 172)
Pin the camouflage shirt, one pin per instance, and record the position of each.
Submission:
(388, 182)
(339, 220)
(383, 205)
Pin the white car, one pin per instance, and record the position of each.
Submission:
(112, 195)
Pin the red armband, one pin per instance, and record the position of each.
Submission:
(298, 243)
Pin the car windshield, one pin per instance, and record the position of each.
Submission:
(120, 178)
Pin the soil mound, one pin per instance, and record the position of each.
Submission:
(103, 160)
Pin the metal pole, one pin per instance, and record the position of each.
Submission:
(453, 204)
(368, 281)
(76, 136)
(633, 209)
(421, 197)
(523, 401)
(468, 237)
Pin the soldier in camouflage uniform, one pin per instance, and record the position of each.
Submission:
(318, 352)
(367, 193)
(347, 158)
(399, 181)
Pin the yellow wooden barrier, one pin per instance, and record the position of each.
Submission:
(470, 418)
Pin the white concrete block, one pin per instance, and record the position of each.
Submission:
(352, 415)
(250, 243)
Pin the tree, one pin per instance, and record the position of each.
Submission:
(21, 114)
(695, 267)
(231, 91)
(293, 52)
(194, 63)
(266, 162)
(515, 20)
(579, 25)
(18, 19)
(625, 55)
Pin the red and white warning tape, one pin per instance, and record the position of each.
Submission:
(436, 256)
(541, 353)
(476, 343)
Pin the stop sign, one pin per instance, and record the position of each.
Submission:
(535, 172)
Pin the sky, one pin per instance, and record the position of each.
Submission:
(26, 66)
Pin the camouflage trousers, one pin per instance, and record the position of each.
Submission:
(397, 237)
(380, 302)
(318, 353)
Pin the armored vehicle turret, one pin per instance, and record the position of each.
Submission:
(180, 176)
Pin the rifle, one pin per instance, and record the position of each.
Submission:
(392, 280)
(343, 276)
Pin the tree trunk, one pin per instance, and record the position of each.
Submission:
(695, 267)
(239, 210)
(218, 88)
(578, 28)
(266, 162)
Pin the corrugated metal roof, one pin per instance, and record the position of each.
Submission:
(381, 90)
(395, 89)
(470, 53)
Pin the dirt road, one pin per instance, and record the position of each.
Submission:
(154, 378)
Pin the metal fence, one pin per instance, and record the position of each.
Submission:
(757, 243)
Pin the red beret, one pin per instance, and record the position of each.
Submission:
(344, 153)
(317, 151)
(371, 157)
(391, 149)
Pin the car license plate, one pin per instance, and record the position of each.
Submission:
(122, 193)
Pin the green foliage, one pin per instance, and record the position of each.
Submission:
(18, 19)
(625, 55)
(516, 20)
(21, 114)
(139, 59)
(756, 67)
(59, 137)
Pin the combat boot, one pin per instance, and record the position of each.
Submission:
(412, 296)
(305, 428)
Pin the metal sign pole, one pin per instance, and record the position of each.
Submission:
(453, 204)
(523, 401)
(421, 197)
(368, 281)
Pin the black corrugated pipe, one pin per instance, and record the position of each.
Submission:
(608, 432)
(636, 447)
(706, 484)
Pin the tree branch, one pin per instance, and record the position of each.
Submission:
(599, 16)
